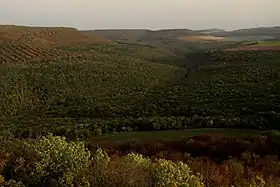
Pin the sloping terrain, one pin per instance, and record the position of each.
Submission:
(266, 31)
(169, 33)
(92, 92)
(172, 38)
(210, 31)
(12, 52)
(46, 36)
(141, 35)
(144, 35)
(164, 39)
(18, 43)
(258, 46)
(118, 34)
(202, 38)
(255, 48)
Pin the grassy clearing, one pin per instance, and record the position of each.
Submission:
(173, 135)
(268, 43)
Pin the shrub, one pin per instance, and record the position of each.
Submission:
(18, 160)
(130, 170)
(237, 169)
(137, 160)
(60, 160)
(258, 182)
(98, 132)
(168, 173)
(98, 167)
(136, 170)
(10, 183)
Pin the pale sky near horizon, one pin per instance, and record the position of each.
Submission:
(147, 14)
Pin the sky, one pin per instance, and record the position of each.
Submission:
(146, 14)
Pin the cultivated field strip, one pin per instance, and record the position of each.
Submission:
(11, 53)
(14, 53)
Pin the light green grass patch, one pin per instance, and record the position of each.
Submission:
(268, 43)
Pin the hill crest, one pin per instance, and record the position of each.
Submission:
(46, 36)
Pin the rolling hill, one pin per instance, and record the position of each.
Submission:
(210, 31)
(118, 34)
(152, 36)
(260, 31)
(141, 35)
(46, 36)
(202, 38)
(19, 43)
(180, 97)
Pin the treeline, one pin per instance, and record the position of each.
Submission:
(83, 128)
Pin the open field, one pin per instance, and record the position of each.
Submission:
(173, 135)
(268, 43)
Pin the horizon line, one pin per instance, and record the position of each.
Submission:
(138, 28)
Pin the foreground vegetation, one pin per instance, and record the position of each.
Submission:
(52, 161)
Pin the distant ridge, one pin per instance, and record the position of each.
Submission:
(211, 31)
(140, 34)
(20, 43)
(145, 34)
(252, 31)
(46, 36)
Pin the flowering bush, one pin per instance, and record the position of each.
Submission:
(59, 159)
(168, 173)
(137, 160)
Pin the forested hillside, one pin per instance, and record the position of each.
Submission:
(80, 110)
